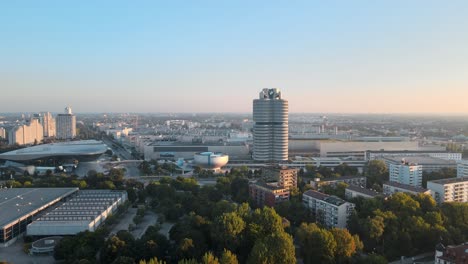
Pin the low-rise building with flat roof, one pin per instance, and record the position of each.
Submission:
(390, 188)
(353, 191)
(21, 206)
(269, 194)
(350, 180)
(86, 210)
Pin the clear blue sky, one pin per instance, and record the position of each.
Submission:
(215, 56)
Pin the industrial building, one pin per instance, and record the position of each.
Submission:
(20, 206)
(428, 164)
(329, 210)
(85, 210)
(270, 131)
(373, 155)
(173, 150)
(302, 162)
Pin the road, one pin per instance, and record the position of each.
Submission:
(117, 149)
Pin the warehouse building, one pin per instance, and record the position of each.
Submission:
(85, 210)
(20, 206)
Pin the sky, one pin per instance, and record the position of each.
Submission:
(215, 56)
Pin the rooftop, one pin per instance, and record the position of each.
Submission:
(325, 197)
(18, 202)
(420, 160)
(363, 190)
(451, 180)
(72, 148)
(406, 187)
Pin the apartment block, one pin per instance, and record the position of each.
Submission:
(330, 211)
(449, 190)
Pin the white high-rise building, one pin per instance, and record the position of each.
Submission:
(449, 190)
(66, 125)
(48, 122)
(330, 211)
(29, 133)
(406, 173)
(462, 168)
(270, 114)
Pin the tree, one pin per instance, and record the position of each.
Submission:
(209, 258)
(345, 244)
(317, 245)
(227, 257)
(227, 230)
(376, 172)
(277, 248)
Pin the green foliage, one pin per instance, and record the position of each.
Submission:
(209, 258)
(376, 173)
(227, 257)
(277, 248)
(227, 230)
(317, 245)
(84, 245)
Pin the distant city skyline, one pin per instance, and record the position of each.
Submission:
(214, 56)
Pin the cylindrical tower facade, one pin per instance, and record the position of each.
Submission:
(270, 114)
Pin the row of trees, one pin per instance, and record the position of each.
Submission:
(405, 225)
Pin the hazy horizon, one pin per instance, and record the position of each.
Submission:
(360, 57)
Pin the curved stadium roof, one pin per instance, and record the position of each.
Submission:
(81, 148)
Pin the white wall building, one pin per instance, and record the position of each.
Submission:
(406, 173)
(66, 125)
(2, 133)
(462, 168)
(26, 134)
(449, 190)
(48, 123)
(330, 211)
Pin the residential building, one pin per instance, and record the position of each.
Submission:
(406, 173)
(451, 254)
(286, 177)
(2, 133)
(66, 125)
(274, 187)
(462, 168)
(330, 211)
(29, 133)
(353, 191)
(449, 190)
(48, 123)
(390, 188)
(268, 194)
(270, 132)
(350, 180)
